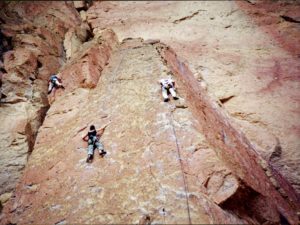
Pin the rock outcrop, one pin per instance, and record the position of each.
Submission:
(154, 168)
(159, 167)
(247, 55)
(192, 160)
(31, 49)
(260, 182)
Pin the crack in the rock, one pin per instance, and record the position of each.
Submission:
(131, 78)
(14, 101)
(187, 17)
(231, 12)
(276, 153)
(180, 106)
(250, 1)
(117, 214)
(212, 173)
(60, 222)
(289, 19)
(247, 117)
(226, 99)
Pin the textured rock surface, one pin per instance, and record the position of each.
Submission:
(74, 38)
(185, 161)
(32, 45)
(247, 53)
(84, 68)
(144, 175)
(261, 184)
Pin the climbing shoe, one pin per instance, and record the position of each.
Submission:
(102, 153)
(89, 158)
(175, 98)
(166, 100)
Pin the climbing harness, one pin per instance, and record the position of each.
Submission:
(181, 166)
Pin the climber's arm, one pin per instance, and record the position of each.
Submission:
(101, 130)
(84, 137)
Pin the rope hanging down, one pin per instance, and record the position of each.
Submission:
(181, 166)
(113, 79)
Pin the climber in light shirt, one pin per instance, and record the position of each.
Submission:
(168, 86)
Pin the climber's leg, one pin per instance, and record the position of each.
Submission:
(164, 92)
(100, 147)
(90, 151)
(59, 85)
(50, 88)
(173, 93)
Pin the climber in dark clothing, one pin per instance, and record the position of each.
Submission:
(0, 86)
(92, 137)
(1, 94)
(54, 82)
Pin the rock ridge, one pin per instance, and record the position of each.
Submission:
(31, 50)
(186, 161)
(149, 161)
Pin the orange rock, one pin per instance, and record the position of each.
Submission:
(84, 68)
(195, 160)
(249, 51)
(157, 162)
(36, 32)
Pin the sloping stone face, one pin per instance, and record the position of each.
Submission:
(236, 151)
(85, 66)
(158, 167)
(247, 54)
(31, 40)
(184, 161)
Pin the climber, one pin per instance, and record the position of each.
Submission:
(0, 86)
(54, 82)
(92, 137)
(1, 94)
(168, 86)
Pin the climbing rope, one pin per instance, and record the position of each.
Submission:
(181, 166)
(117, 68)
(177, 146)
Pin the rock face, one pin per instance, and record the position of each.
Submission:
(184, 161)
(31, 44)
(258, 178)
(247, 53)
(153, 167)
(159, 167)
